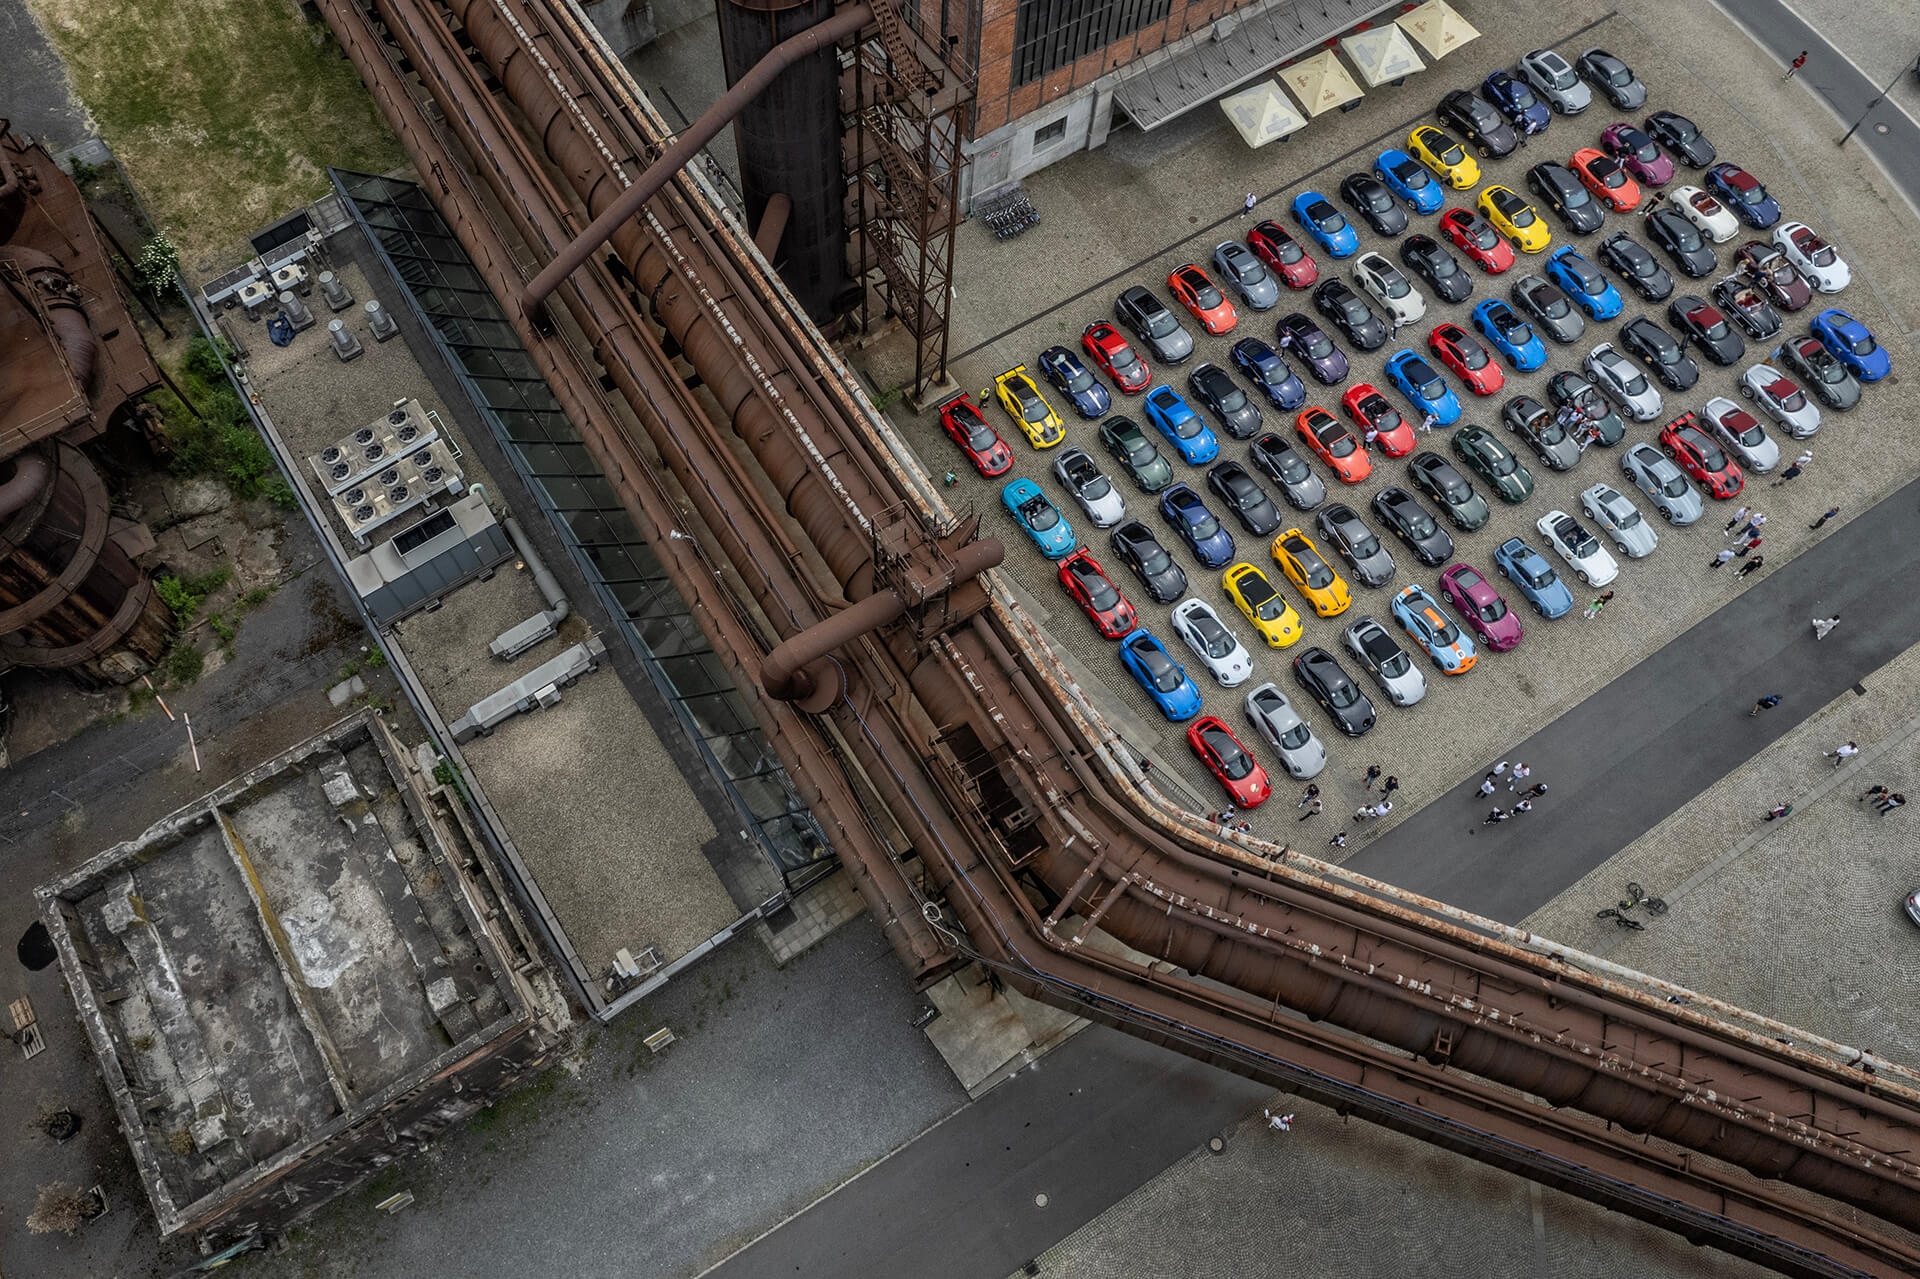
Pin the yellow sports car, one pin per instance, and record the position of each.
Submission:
(1254, 595)
(1028, 408)
(1514, 218)
(1447, 158)
(1322, 588)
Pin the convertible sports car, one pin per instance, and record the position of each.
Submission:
(1386, 286)
(1579, 548)
(1274, 245)
(1771, 273)
(1637, 153)
(1136, 547)
(1255, 597)
(1106, 347)
(1742, 193)
(1659, 352)
(1163, 679)
(1070, 377)
(1567, 196)
(1370, 411)
(1263, 367)
(1514, 218)
(1153, 325)
(1298, 484)
(1245, 782)
(1706, 328)
(1612, 77)
(1435, 476)
(1782, 399)
(1535, 579)
(1406, 178)
(1743, 303)
(967, 427)
(1682, 242)
(1324, 590)
(1425, 389)
(1028, 408)
(1342, 528)
(1247, 274)
(1189, 517)
(1852, 344)
(1606, 178)
(1549, 306)
(1094, 492)
(1553, 79)
(1813, 256)
(1473, 237)
(1742, 434)
(1420, 616)
(1218, 649)
(1512, 336)
(1223, 397)
(1413, 525)
(1447, 159)
(1474, 598)
(1128, 445)
(1319, 219)
(1512, 98)
(1706, 213)
(1529, 419)
(1495, 463)
(1203, 299)
(1301, 338)
(1696, 454)
(1088, 585)
(1682, 137)
(1349, 708)
(1299, 750)
(1585, 287)
(1175, 419)
(1334, 443)
(1631, 261)
(1373, 200)
(1457, 349)
(1819, 372)
(1596, 410)
(1349, 312)
(1243, 495)
(1478, 123)
(1038, 518)
(1425, 257)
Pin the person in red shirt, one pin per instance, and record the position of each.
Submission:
(1798, 62)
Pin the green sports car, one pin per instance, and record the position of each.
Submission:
(1481, 450)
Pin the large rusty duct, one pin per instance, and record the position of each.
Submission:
(1035, 830)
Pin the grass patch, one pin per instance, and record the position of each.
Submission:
(184, 663)
(185, 595)
(225, 113)
(221, 443)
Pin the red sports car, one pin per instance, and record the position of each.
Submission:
(1202, 297)
(980, 442)
(1082, 577)
(1371, 410)
(1474, 598)
(1274, 245)
(1460, 351)
(1238, 771)
(1696, 454)
(1471, 234)
(1610, 184)
(1116, 358)
(1334, 444)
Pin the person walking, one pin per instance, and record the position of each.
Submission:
(1308, 795)
(1841, 754)
(1521, 772)
(1738, 516)
(1888, 803)
(1486, 784)
(1751, 566)
(1791, 473)
(1749, 546)
(1795, 65)
(1536, 791)
(1427, 422)
(1338, 841)
(1830, 513)
(1373, 774)
(1721, 558)
(1382, 808)
(1313, 810)
(1821, 625)
(1599, 602)
(1499, 770)
(1778, 811)
(1281, 1123)
(1494, 818)
(1389, 786)
(1524, 806)
(1247, 208)
(1753, 525)
(1873, 793)
(1766, 703)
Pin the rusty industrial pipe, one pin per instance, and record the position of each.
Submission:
(847, 22)
(795, 671)
(773, 224)
(77, 339)
(30, 474)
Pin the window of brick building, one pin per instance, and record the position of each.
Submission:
(1049, 34)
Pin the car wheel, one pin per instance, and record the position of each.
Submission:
(1746, 390)
(1621, 547)
(1586, 577)
(1666, 514)
(1539, 610)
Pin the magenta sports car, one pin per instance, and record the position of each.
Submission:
(1638, 153)
(1474, 598)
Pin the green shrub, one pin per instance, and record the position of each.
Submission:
(184, 663)
(185, 595)
(222, 442)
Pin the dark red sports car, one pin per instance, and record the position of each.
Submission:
(1238, 771)
(1116, 358)
(1284, 256)
(1082, 578)
(1695, 453)
(1774, 276)
(1371, 410)
(1460, 351)
(980, 442)
(1471, 234)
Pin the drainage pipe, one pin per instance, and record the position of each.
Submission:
(557, 605)
(30, 473)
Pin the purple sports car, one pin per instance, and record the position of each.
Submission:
(1637, 154)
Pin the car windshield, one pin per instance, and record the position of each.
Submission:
(1292, 467)
(1821, 256)
(1494, 611)
(1093, 486)
(1548, 302)
(1318, 347)
(1100, 593)
(1577, 540)
(1315, 569)
(1685, 236)
(1039, 514)
(1742, 427)
(1501, 463)
(1217, 639)
(1703, 204)
(1453, 155)
(1420, 525)
(1340, 693)
(1334, 438)
(1287, 251)
(1205, 296)
(1384, 416)
(1160, 321)
(1548, 431)
(1160, 668)
(1393, 284)
(1522, 216)
(980, 436)
(1622, 513)
(1754, 194)
(1862, 345)
(1536, 573)
(1681, 128)
(1558, 74)
(1664, 348)
(1410, 175)
(1396, 666)
(1078, 379)
(1481, 235)
(1203, 527)
(1296, 737)
(1619, 76)
(1234, 400)
(1676, 486)
(1234, 762)
(1642, 147)
(1715, 329)
(1354, 310)
(1573, 195)
(1154, 559)
(1365, 546)
(1139, 452)
(1326, 217)
(1710, 457)
(1377, 199)
(1519, 96)
(1441, 265)
(1515, 330)
(1122, 359)
(1608, 174)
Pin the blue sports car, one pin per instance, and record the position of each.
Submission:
(1501, 325)
(1040, 518)
(1852, 344)
(1407, 178)
(1070, 377)
(1261, 365)
(1582, 282)
(1529, 571)
(1182, 508)
(1174, 418)
(1424, 388)
(1319, 219)
(1742, 192)
(1513, 99)
(1164, 679)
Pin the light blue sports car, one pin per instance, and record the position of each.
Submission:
(1529, 571)
(1039, 519)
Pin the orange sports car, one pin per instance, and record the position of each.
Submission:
(1202, 297)
(1335, 444)
(1610, 184)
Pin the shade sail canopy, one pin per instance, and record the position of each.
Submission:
(1321, 83)
(1261, 113)
(1381, 55)
(1436, 28)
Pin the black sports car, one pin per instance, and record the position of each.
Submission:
(1630, 259)
(1595, 409)
(1235, 410)
(1659, 351)
(1427, 258)
(1349, 313)
(1544, 433)
(1244, 497)
(1135, 546)
(1478, 123)
(1612, 77)
(1342, 528)
(1301, 338)
(1298, 484)
(1705, 327)
(1150, 321)
(1567, 196)
(1437, 478)
(1683, 243)
(1412, 524)
(1369, 197)
(1747, 306)
(1549, 308)
(1341, 698)
(1682, 137)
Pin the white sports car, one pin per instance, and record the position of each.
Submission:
(1080, 476)
(1620, 519)
(1714, 219)
(1622, 379)
(1742, 433)
(1782, 398)
(1299, 750)
(1580, 549)
(1223, 655)
(1382, 281)
(1824, 268)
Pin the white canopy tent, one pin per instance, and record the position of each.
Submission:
(1261, 113)
(1437, 29)
(1382, 55)
(1321, 83)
